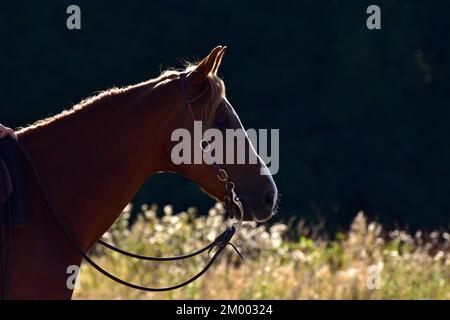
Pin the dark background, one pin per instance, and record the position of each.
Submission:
(363, 115)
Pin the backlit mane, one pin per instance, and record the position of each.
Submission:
(215, 95)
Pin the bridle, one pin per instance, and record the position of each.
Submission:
(231, 200)
(232, 204)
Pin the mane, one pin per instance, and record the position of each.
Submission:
(79, 107)
(215, 93)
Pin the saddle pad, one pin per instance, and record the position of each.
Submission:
(14, 209)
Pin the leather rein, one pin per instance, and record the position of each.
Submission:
(232, 204)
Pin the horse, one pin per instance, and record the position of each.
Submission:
(95, 156)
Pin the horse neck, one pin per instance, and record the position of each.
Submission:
(93, 161)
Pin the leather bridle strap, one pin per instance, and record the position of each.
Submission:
(221, 242)
(188, 103)
(217, 242)
(232, 202)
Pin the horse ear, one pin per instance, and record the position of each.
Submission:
(205, 67)
(219, 60)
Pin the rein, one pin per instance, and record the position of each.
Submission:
(232, 204)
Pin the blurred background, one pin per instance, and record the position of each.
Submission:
(363, 115)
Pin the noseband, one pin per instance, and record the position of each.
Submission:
(232, 204)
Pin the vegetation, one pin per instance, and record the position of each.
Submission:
(277, 264)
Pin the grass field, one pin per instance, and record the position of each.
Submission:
(365, 263)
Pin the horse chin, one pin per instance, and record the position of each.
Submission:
(251, 213)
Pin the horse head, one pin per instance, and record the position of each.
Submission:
(219, 141)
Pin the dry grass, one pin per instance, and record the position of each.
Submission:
(276, 267)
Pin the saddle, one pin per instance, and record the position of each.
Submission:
(12, 193)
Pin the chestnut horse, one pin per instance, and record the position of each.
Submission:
(94, 157)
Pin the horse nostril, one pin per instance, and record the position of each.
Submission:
(269, 199)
